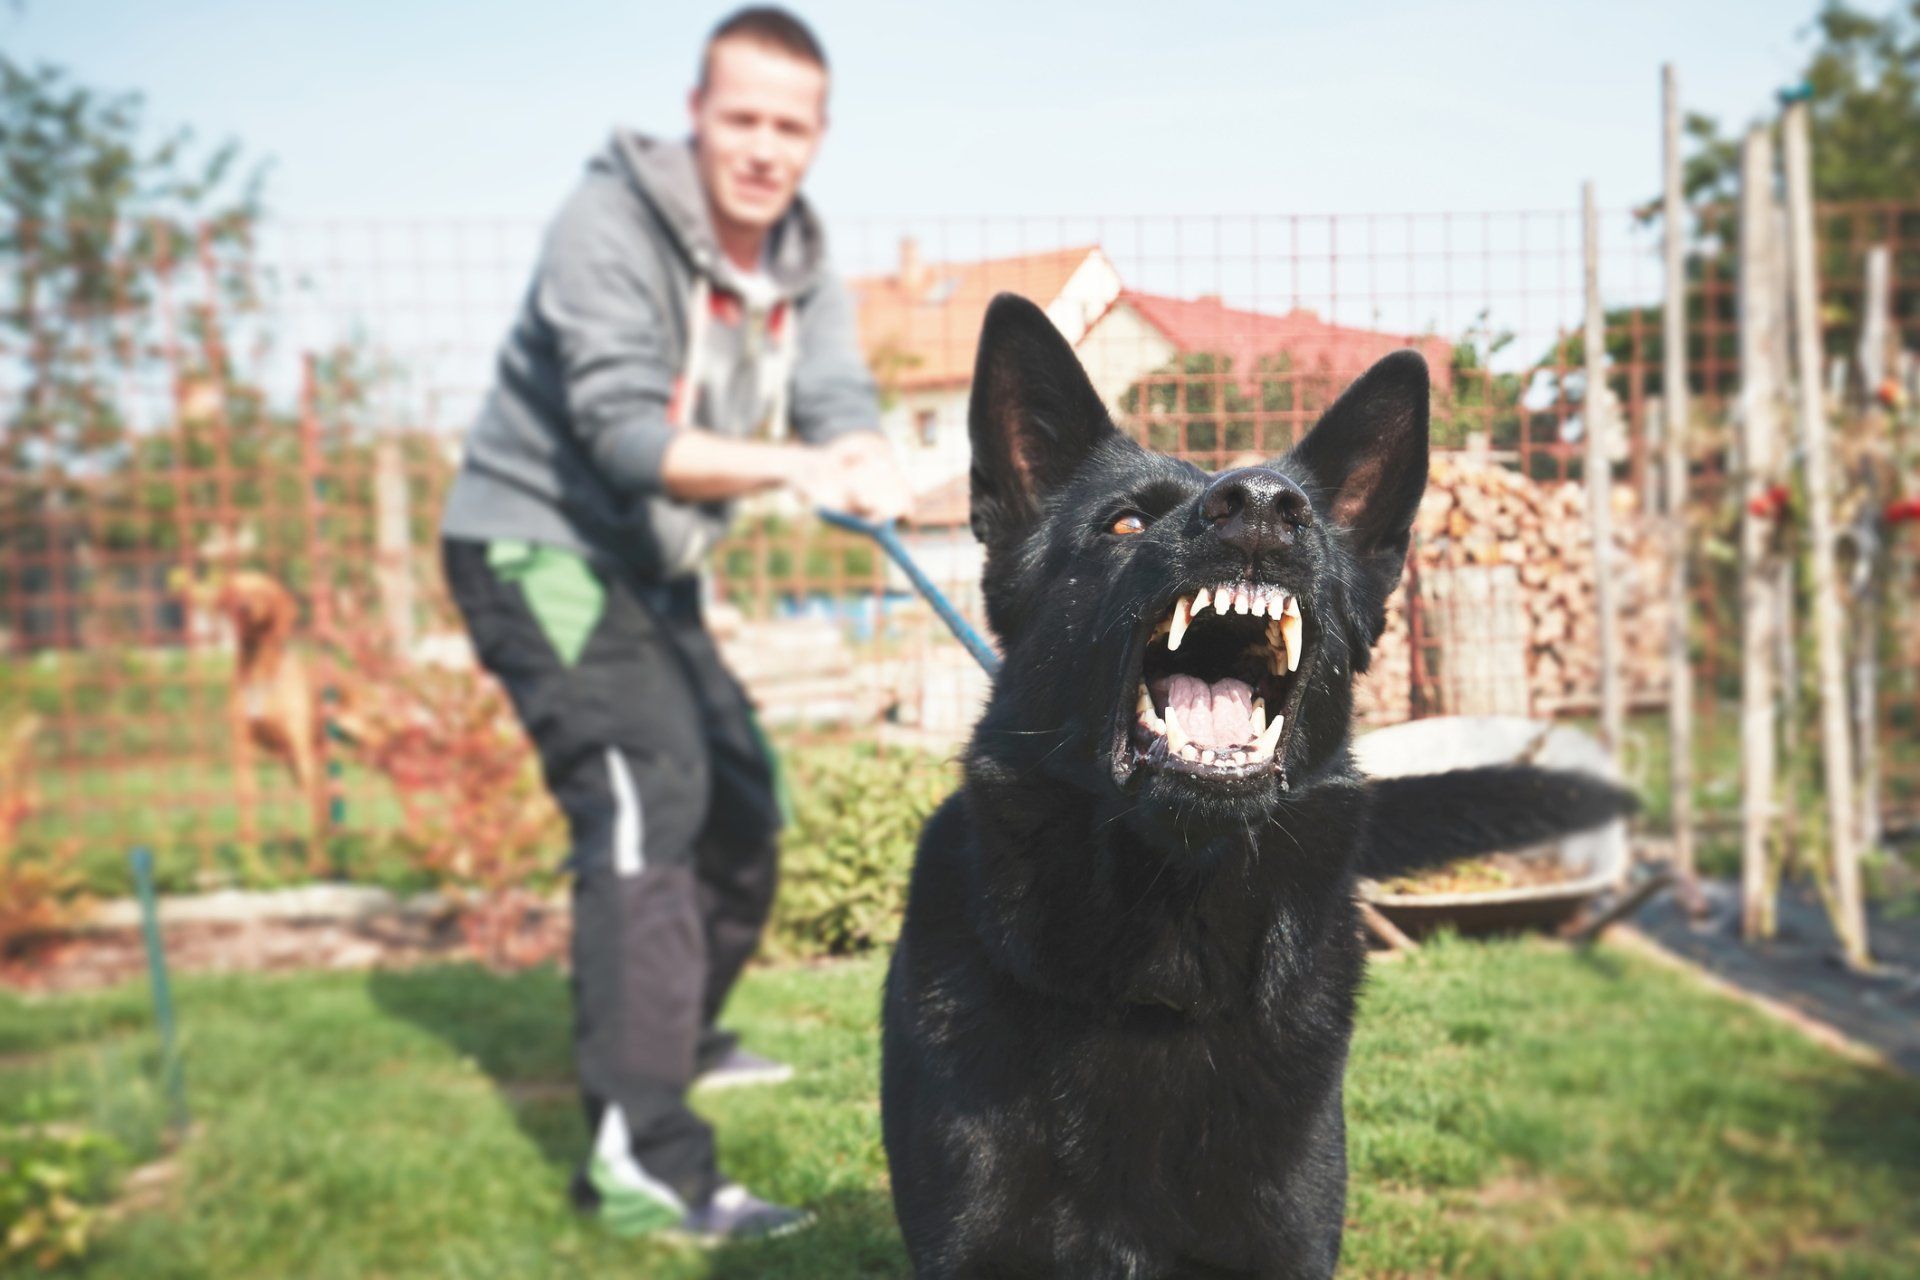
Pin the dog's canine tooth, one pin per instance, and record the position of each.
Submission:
(1181, 619)
(1269, 738)
(1290, 632)
(1200, 601)
(1259, 716)
(1176, 736)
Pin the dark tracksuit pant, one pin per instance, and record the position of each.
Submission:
(648, 745)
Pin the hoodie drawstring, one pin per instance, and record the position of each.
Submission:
(686, 387)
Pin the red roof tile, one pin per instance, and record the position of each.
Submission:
(919, 327)
(1246, 337)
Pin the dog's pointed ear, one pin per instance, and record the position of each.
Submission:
(1368, 454)
(1034, 418)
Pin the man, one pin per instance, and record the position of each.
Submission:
(681, 310)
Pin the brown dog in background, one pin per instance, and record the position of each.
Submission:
(274, 704)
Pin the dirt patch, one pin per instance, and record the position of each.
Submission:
(104, 957)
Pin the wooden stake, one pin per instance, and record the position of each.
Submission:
(1760, 299)
(1674, 419)
(1384, 929)
(1874, 332)
(1595, 415)
(393, 545)
(1835, 746)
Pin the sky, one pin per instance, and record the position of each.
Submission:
(487, 108)
(417, 146)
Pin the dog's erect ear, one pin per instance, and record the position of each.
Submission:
(1369, 454)
(1034, 417)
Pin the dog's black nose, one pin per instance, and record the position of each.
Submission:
(1255, 509)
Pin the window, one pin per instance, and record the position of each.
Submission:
(926, 427)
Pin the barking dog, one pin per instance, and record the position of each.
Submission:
(1117, 1019)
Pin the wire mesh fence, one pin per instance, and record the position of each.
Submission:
(226, 448)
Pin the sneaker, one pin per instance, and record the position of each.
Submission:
(616, 1190)
(622, 1208)
(736, 1214)
(737, 1068)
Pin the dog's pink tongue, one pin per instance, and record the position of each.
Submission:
(1214, 715)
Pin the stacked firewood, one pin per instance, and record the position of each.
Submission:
(1480, 516)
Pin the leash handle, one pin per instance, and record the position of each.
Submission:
(897, 551)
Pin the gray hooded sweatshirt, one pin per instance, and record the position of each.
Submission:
(637, 326)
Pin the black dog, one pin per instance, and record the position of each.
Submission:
(1117, 1020)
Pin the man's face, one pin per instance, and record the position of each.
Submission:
(757, 125)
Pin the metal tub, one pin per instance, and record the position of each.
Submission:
(1592, 862)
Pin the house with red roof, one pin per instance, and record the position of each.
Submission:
(1260, 354)
(920, 324)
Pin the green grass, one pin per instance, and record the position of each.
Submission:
(1517, 1111)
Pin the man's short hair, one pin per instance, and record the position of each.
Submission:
(770, 27)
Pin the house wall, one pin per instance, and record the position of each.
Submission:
(1088, 292)
(1119, 349)
(928, 466)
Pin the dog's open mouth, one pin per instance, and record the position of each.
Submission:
(1217, 680)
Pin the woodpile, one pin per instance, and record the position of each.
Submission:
(1481, 518)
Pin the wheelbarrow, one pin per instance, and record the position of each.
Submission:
(1591, 864)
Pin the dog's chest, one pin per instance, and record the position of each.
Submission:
(1153, 1091)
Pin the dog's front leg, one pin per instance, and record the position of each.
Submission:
(245, 789)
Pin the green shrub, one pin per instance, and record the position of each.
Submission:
(52, 1181)
(845, 856)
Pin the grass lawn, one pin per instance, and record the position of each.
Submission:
(1516, 1111)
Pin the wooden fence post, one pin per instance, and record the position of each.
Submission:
(1761, 296)
(1835, 742)
(1596, 418)
(1674, 421)
(393, 545)
(1870, 547)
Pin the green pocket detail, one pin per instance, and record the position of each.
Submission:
(561, 589)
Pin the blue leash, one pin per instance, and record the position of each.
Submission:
(890, 543)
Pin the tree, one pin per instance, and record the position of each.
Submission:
(94, 219)
(99, 224)
(1864, 78)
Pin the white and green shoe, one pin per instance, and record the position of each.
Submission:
(617, 1189)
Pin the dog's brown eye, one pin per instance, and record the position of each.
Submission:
(1128, 524)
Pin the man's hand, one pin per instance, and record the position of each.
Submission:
(857, 474)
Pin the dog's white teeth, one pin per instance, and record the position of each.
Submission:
(1176, 736)
(1190, 752)
(1143, 707)
(1269, 739)
(1259, 717)
(1258, 606)
(1240, 601)
(1200, 600)
(1208, 757)
(1177, 631)
(1161, 628)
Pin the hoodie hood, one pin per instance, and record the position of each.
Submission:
(666, 177)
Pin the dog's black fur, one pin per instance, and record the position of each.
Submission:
(1117, 1019)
